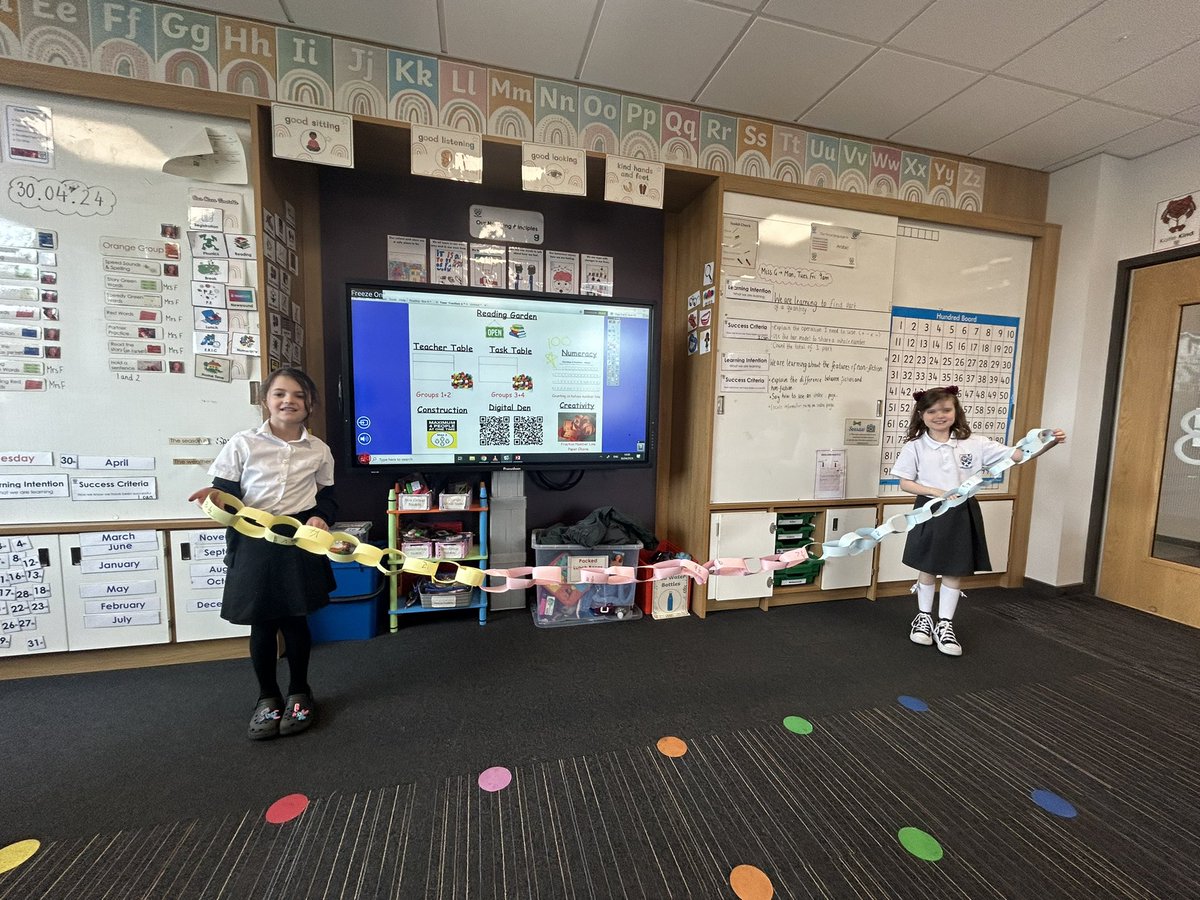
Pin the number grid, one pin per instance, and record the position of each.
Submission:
(933, 348)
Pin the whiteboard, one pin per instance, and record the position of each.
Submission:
(107, 393)
(804, 353)
(966, 291)
(801, 347)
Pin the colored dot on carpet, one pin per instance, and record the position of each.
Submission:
(751, 883)
(286, 808)
(1052, 803)
(920, 844)
(798, 725)
(497, 778)
(916, 704)
(15, 854)
(672, 746)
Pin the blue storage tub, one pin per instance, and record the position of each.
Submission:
(354, 580)
(347, 619)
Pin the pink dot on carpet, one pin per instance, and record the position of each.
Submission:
(286, 808)
(497, 778)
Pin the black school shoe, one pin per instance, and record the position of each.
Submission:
(299, 712)
(264, 724)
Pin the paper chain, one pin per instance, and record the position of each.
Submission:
(341, 547)
(1036, 442)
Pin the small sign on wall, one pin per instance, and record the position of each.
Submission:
(446, 153)
(1176, 222)
(312, 135)
(553, 170)
(635, 181)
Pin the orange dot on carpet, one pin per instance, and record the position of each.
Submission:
(751, 883)
(672, 746)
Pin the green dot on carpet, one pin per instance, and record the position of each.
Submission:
(920, 844)
(798, 725)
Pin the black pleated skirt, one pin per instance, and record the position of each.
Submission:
(269, 581)
(952, 544)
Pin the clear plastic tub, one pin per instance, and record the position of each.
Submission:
(570, 603)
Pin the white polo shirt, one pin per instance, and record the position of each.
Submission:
(946, 466)
(281, 477)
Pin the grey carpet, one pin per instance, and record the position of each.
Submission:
(1092, 701)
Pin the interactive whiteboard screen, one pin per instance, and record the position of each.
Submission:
(451, 377)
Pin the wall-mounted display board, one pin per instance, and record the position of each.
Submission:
(33, 615)
(830, 320)
(128, 306)
(805, 315)
(958, 302)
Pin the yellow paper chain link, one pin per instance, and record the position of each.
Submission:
(339, 546)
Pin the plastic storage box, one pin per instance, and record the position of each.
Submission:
(347, 619)
(800, 574)
(439, 596)
(354, 580)
(570, 603)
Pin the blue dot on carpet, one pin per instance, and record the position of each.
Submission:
(916, 704)
(1052, 803)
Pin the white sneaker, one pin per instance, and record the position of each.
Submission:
(922, 629)
(943, 635)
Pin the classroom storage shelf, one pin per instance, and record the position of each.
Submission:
(477, 556)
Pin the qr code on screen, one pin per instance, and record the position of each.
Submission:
(494, 431)
(527, 431)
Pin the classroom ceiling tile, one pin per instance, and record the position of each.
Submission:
(1190, 115)
(985, 35)
(985, 112)
(779, 71)
(263, 10)
(1076, 128)
(639, 47)
(544, 37)
(1161, 134)
(1115, 39)
(1165, 87)
(867, 19)
(887, 92)
(404, 24)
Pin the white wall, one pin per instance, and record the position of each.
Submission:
(1106, 209)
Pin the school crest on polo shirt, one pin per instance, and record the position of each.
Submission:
(966, 461)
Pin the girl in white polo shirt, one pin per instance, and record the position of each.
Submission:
(940, 454)
(281, 468)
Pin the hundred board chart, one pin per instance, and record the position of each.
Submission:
(933, 348)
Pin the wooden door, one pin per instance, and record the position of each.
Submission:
(1151, 551)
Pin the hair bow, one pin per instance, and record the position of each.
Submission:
(948, 389)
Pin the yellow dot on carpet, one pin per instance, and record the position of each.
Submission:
(751, 883)
(672, 746)
(15, 854)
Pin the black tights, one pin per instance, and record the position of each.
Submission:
(297, 642)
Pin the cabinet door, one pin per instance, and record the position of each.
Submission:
(197, 582)
(742, 534)
(847, 571)
(997, 519)
(115, 589)
(997, 524)
(32, 616)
